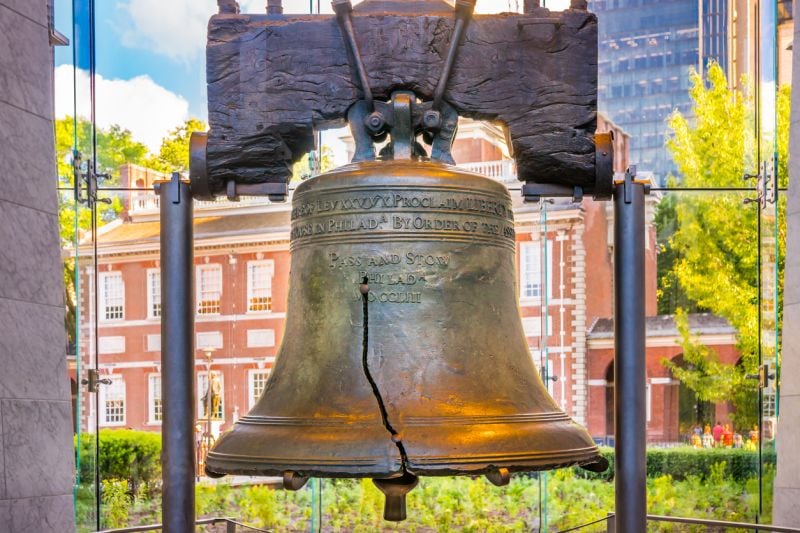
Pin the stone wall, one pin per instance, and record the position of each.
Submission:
(36, 460)
(787, 482)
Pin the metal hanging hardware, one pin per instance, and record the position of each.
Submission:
(766, 183)
(372, 120)
(93, 380)
(86, 181)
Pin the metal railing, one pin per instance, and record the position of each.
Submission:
(713, 525)
(231, 526)
(150, 203)
(505, 169)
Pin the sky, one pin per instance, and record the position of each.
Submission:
(150, 60)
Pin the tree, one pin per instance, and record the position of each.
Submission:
(709, 242)
(115, 147)
(174, 153)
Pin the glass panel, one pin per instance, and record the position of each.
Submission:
(73, 149)
(703, 458)
(769, 138)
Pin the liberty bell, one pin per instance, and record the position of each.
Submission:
(404, 353)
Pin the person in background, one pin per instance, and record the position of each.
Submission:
(708, 438)
(738, 441)
(717, 432)
(697, 441)
(727, 436)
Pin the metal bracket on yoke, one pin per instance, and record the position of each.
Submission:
(534, 192)
(627, 184)
(604, 177)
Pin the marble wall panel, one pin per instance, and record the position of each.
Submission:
(32, 9)
(26, 70)
(52, 514)
(30, 259)
(786, 510)
(2, 463)
(37, 442)
(32, 347)
(28, 178)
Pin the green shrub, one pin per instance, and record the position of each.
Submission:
(116, 503)
(134, 456)
(682, 462)
(213, 499)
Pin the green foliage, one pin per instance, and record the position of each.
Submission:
(683, 462)
(720, 484)
(173, 156)
(116, 503)
(308, 166)
(125, 454)
(213, 499)
(702, 371)
(709, 242)
(259, 506)
(115, 147)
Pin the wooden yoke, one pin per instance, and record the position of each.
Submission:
(273, 79)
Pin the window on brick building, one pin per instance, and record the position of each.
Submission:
(155, 412)
(112, 296)
(531, 269)
(153, 293)
(209, 289)
(112, 402)
(257, 381)
(259, 285)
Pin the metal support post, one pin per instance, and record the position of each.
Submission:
(630, 432)
(177, 355)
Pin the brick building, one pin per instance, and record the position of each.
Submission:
(564, 255)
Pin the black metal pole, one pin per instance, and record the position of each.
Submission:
(177, 356)
(630, 432)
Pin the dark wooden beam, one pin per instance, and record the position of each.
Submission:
(273, 79)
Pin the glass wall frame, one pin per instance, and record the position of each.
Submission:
(88, 198)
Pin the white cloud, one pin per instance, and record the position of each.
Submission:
(140, 105)
(176, 28)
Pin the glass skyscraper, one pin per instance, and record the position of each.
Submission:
(647, 48)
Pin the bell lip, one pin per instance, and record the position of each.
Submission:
(395, 174)
(227, 464)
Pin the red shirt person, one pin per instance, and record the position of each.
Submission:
(717, 432)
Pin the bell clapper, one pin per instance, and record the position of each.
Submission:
(500, 477)
(395, 490)
(292, 481)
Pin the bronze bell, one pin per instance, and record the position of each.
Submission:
(404, 352)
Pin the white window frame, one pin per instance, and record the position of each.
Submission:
(152, 342)
(202, 379)
(116, 391)
(254, 292)
(155, 404)
(531, 263)
(200, 290)
(260, 338)
(153, 293)
(253, 394)
(118, 300)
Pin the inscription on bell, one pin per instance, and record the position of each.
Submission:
(437, 201)
(405, 258)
